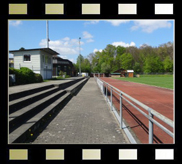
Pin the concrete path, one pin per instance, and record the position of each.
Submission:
(86, 119)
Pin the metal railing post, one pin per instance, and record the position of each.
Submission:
(111, 98)
(151, 128)
(121, 112)
(106, 91)
(149, 116)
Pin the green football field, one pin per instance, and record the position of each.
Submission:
(165, 81)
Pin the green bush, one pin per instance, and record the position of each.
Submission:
(25, 76)
(28, 76)
(18, 75)
(38, 78)
(67, 76)
(12, 70)
(61, 73)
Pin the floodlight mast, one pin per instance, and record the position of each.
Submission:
(79, 58)
(47, 26)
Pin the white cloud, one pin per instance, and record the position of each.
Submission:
(123, 44)
(149, 26)
(117, 22)
(89, 40)
(87, 36)
(113, 22)
(95, 50)
(72, 60)
(144, 45)
(64, 47)
(67, 57)
(91, 22)
(15, 23)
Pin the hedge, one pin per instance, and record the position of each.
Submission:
(38, 78)
(25, 75)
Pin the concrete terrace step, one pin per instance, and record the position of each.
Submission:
(27, 112)
(67, 84)
(17, 104)
(23, 133)
(17, 92)
(31, 97)
(23, 93)
(29, 120)
(72, 89)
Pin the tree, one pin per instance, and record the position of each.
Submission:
(153, 64)
(22, 48)
(127, 61)
(84, 64)
(120, 50)
(91, 56)
(168, 64)
(105, 68)
(144, 59)
(80, 59)
(137, 67)
(96, 62)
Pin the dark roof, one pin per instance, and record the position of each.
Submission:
(119, 70)
(61, 59)
(48, 50)
(115, 73)
(56, 57)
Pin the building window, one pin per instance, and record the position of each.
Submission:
(27, 57)
(64, 68)
(46, 59)
(49, 61)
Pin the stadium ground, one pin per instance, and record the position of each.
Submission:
(165, 81)
(159, 99)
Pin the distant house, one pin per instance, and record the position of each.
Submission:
(130, 73)
(122, 73)
(39, 60)
(11, 62)
(65, 65)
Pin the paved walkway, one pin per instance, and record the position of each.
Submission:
(86, 119)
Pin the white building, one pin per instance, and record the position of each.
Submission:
(39, 60)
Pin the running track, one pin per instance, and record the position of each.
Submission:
(159, 99)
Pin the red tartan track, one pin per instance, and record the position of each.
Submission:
(159, 99)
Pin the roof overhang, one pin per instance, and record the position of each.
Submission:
(130, 71)
(48, 50)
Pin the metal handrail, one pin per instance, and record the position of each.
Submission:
(151, 112)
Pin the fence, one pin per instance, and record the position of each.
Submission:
(107, 89)
(135, 74)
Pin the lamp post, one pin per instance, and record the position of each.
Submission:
(47, 31)
(79, 58)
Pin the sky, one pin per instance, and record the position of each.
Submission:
(95, 35)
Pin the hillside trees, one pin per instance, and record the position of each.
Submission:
(145, 59)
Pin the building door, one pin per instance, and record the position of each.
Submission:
(130, 74)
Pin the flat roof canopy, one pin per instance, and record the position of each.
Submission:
(48, 50)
